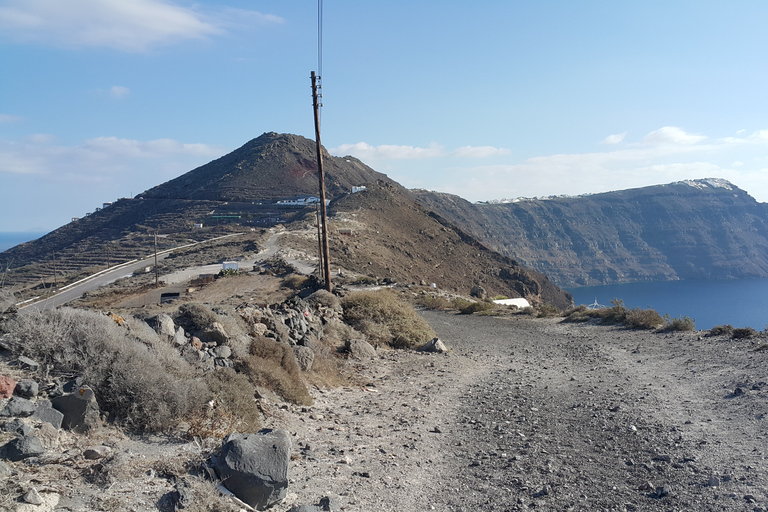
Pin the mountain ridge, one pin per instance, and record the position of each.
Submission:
(693, 229)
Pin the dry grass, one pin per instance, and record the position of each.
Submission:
(142, 384)
(386, 309)
(273, 365)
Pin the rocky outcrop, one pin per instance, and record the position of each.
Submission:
(702, 229)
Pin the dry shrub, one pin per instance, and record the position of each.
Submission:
(295, 281)
(201, 495)
(233, 409)
(548, 311)
(384, 307)
(743, 332)
(328, 370)
(273, 365)
(642, 319)
(324, 298)
(139, 384)
(580, 314)
(721, 330)
(376, 334)
(434, 302)
(195, 317)
(335, 333)
(679, 324)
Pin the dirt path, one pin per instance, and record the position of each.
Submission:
(530, 414)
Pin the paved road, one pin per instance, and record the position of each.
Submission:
(75, 290)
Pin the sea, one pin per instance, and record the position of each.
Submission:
(738, 302)
(10, 239)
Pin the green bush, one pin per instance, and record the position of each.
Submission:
(141, 383)
(384, 307)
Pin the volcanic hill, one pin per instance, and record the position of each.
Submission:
(696, 229)
(242, 191)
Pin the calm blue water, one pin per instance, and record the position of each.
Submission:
(10, 239)
(739, 302)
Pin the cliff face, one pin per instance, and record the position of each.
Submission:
(702, 229)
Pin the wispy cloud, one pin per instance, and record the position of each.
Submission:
(664, 155)
(131, 26)
(119, 92)
(367, 152)
(614, 139)
(479, 152)
(7, 118)
(101, 157)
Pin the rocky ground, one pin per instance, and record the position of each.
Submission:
(529, 414)
(523, 414)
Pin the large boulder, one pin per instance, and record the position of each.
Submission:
(360, 349)
(80, 410)
(216, 334)
(164, 325)
(255, 466)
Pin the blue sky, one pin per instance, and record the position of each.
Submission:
(101, 99)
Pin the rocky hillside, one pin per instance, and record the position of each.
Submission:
(242, 191)
(702, 229)
(384, 233)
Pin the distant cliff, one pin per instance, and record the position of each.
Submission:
(700, 229)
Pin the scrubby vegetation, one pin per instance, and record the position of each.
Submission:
(384, 317)
(139, 382)
(273, 365)
(721, 330)
(743, 332)
(634, 318)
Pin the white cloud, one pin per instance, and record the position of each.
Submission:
(672, 135)
(126, 25)
(479, 152)
(119, 92)
(614, 139)
(365, 151)
(7, 118)
(100, 157)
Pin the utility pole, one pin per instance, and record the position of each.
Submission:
(55, 279)
(157, 284)
(319, 242)
(324, 214)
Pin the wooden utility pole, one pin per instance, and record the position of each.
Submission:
(319, 242)
(157, 283)
(324, 214)
(55, 279)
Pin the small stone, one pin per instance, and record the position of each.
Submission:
(27, 388)
(663, 491)
(434, 346)
(7, 385)
(49, 436)
(33, 497)
(713, 481)
(28, 364)
(329, 504)
(196, 343)
(47, 414)
(96, 452)
(17, 427)
(738, 392)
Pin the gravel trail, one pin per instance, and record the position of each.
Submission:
(533, 414)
